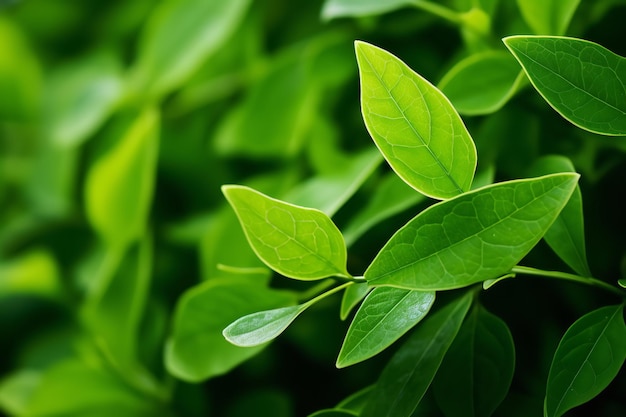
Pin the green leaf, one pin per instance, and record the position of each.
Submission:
(196, 349)
(408, 374)
(589, 356)
(351, 297)
(356, 402)
(581, 80)
(482, 83)
(548, 17)
(16, 390)
(566, 236)
(414, 125)
(385, 315)
(298, 242)
(477, 236)
(34, 272)
(334, 412)
(261, 327)
(120, 182)
(179, 36)
(343, 8)
(477, 371)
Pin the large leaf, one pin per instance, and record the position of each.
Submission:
(476, 236)
(298, 242)
(566, 236)
(481, 83)
(385, 315)
(120, 182)
(587, 359)
(477, 371)
(414, 125)
(583, 81)
(196, 349)
(548, 17)
(410, 371)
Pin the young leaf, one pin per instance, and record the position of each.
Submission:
(342, 8)
(548, 17)
(410, 371)
(477, 371)
(566, 236)
(587, 359)
(298, 242)
(351, 297)
(385, 315)
(263, 326)
(414, 125)
(581, 80)
(196, 349)
(482, 83)
(477, 236)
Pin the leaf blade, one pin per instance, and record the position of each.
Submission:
(262, 326)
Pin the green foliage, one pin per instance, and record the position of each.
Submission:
(430, 269)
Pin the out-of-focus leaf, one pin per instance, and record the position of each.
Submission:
(298, 242)
(548, 17)
(196, 349)
(120, 181)
(581, 80)
(477, 370)
(482, 83)
(357, 401)
(34, 272)
(351, 297)
(385, 315)
(16, 391)
(179, 37)
(334, 412)
(589, 356)
(433, 154)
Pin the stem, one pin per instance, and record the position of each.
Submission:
(568, 277)
(329, 292)
(441, 11)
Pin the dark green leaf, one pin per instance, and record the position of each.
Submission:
(333, 413)
(477, 236)
(589, 356)
(356, 402)
(410, 371)
(351, 297)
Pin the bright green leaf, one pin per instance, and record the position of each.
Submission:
(351, 297)
(120, 182)
(548, 17)
(477, 236)
(261, 327)
(482, 83)
(477, 371)
(34, 272)
(581, 80)
(408, 374)
(298, 242)
(17, 389)
(414, 125)
(196, 349)
(589, 356)
(385, 315)
(566, 236)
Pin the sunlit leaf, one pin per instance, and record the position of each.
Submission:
(34, 272)
(548, 17)
(477, 370)
(410, 371)
(583, 81)
(385, 315)
(481, 83)
(589, 356)
(298, 242)
(566, 236)
(477, 236)
(414, 125)
(196, 349)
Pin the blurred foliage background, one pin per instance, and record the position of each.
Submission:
(119, 122)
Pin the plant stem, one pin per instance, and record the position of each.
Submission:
(441, 11)
(568, 277)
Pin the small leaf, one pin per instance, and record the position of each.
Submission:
(334, 412)
(351, 297)
(581, 80)
(298, 242)
(385, 315)
(477, 236)
(482, 83)
(548, 17)
(408, 374)
(414, 125)
(622, 282)
(477, 371)
(263, 326)
(354, 8)
(589, 356)
(566, 236)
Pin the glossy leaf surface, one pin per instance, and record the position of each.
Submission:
(410, 371)
(477, 236)
(263, 326)
(385, 315)
(414, 125)
(589, 356)
(548, 17)
(298, 242)
(583, 81)
(341, 8)
(477, 371)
